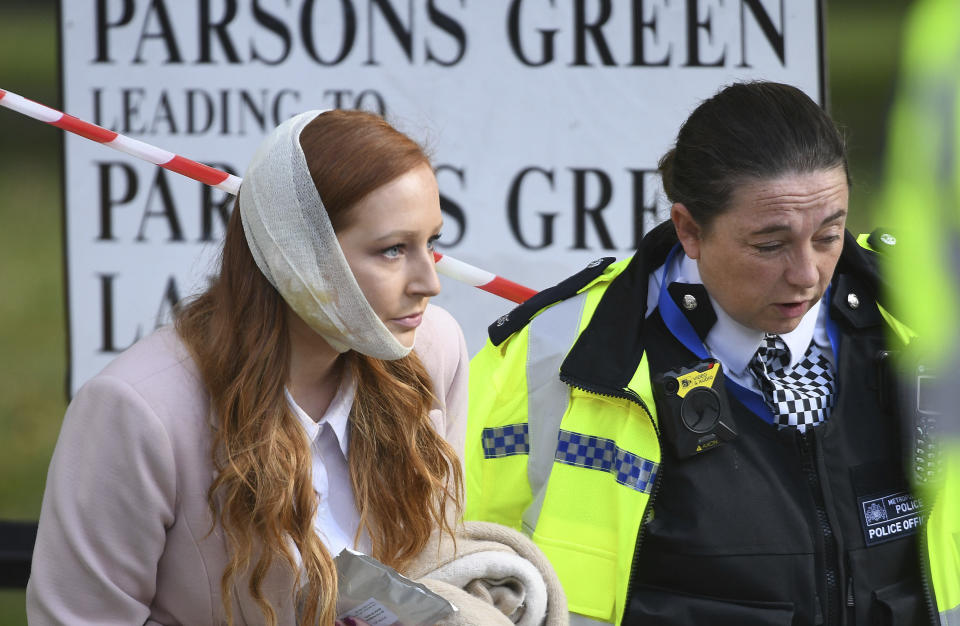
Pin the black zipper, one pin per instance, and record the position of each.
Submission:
(851, 600)
(628, 394)
(830, 557)
(928, 597)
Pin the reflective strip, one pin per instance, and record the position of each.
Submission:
(582, 620)
(505, 441)
(551, 335)
(950, 617)
(603, 454)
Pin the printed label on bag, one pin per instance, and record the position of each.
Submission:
(373, 613)
(889, 517)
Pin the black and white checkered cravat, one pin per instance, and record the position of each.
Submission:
(798, 397)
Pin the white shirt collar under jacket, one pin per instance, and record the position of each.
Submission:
(336, 415)
(732, 343)
(337, 517)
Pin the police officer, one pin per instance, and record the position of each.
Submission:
(704, 433)
(920, 201)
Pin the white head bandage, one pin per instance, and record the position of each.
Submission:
(292, 241)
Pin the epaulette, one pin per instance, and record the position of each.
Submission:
(882, 241)
(521, 315)
(859, 285)
(860, 261)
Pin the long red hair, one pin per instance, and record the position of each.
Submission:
(405, 476)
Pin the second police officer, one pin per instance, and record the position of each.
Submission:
(705, 433)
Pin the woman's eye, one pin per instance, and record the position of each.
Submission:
(432, 242)
(392, 252)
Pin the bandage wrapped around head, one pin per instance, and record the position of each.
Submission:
(293, 243)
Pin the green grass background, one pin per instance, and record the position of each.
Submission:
(862, 50)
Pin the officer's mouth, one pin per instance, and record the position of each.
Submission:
(792, 309)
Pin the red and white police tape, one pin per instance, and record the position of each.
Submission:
(446, 265)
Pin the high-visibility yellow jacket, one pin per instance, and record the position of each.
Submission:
(586, 522)
(921, 204)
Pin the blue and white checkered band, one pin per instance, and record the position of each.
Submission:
(603, 454)
(801, 396)
(506, 441)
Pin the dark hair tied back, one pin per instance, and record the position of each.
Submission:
(747, 131)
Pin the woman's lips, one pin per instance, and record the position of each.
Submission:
(410, 321)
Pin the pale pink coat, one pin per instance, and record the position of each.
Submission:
(124, 526)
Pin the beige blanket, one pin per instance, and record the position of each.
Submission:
(494, 575)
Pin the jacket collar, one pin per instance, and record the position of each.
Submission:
(608, 351)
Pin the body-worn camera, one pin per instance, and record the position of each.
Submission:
(695, 415)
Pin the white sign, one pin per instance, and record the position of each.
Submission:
(545, 120)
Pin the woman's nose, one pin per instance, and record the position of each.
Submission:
(424, 281)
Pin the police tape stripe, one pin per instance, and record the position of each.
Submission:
(482, 279)
(134, 147)
(450, 267)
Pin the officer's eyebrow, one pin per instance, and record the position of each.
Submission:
(833, 218)
(776, 228)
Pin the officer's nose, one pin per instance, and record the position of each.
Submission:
(802, 270)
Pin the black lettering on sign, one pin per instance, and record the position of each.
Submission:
(105, 22)
(194, 111)
(108, 342)
(349, 30)
(583, 28)
(197, 98)
(403, 33)
(452, 27)
(514, 30)
(639, 26)
(132, 100)
(644, 213)
(774, 37)
(694, 26)
(329, 32)
(163, 120)
(168, 209)
(582, 210)
(598, 224)
(452, 209)
(167, 307)
(218, 28)
(699, 27)
(108, 200)
(276, 26)
(165, 34)
(513, 211)
(366, 100)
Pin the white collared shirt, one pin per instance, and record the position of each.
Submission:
(732, 343)
(337, 517)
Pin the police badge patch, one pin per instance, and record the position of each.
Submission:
(889, 517)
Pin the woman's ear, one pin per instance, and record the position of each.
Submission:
(688, 231)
